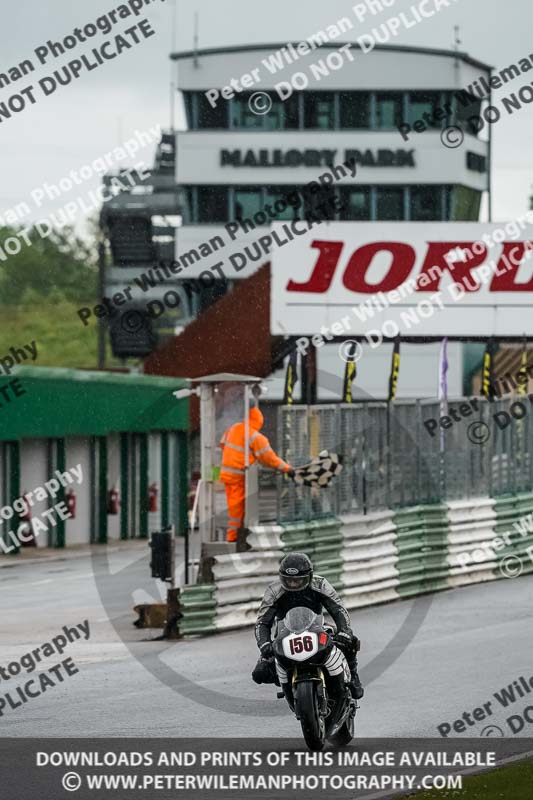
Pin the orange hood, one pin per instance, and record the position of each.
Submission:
(256, 419)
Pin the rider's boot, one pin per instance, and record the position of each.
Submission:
(355, 684)
(289, 696)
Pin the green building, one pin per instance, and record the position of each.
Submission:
(125, 433)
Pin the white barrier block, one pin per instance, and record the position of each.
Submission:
(362, 553)
(245, 565)
(371, 599)
(468, 578)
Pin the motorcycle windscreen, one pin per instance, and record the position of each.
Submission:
(300, 619)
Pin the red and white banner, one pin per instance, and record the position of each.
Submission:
(425, 279)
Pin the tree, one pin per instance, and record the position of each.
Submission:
(61, 261)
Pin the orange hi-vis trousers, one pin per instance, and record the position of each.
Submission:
(235, 498)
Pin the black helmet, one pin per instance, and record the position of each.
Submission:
(295, 572)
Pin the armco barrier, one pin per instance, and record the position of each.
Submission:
(515, 517)
(422, 549)
(370, 559)
(241, 578)
(472, 528)
(325, 539)
(198, 609)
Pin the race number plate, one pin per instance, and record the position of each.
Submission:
(300, 646)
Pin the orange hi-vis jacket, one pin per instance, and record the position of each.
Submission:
(232, 443)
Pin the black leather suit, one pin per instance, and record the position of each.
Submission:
(277, 601)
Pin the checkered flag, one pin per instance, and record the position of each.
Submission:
(320, 471)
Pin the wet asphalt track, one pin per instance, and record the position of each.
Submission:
(470, 643)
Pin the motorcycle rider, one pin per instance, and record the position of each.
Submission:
(298, 586)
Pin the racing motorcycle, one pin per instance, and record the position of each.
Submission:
(314, 676)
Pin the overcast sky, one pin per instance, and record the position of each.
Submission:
(93, 115)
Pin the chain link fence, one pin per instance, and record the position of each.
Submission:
(406, 453)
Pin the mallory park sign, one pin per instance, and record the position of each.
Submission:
(316, 158)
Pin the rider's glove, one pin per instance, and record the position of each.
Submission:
(267, 650)
(344, 639)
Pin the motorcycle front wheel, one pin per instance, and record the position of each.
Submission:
(312, 722)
